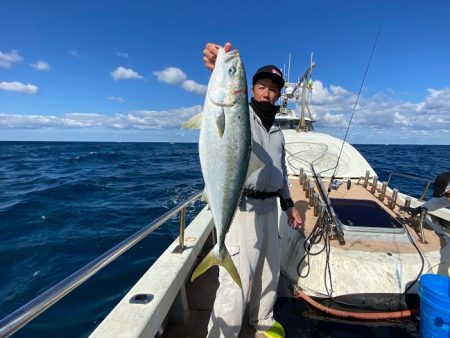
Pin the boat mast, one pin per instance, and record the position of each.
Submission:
(291, 92)
(303, 83)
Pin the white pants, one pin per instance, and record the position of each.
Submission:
(253, 243)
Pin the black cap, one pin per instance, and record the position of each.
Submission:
(269, 71)
(441, 183)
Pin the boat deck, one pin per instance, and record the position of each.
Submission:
(434, 241)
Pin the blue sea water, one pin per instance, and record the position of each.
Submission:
(63, 204)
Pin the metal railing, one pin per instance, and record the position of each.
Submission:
(417, 178)
(19, 318)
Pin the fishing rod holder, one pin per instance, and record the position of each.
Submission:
(423, 214)
(366, 179)
(308, 184)
(310, 193)
(319, 212)
(374, 184)
(393, 199)
(408, 202)
(303, 179)
(312, 197)
(383, 191)
(182, 226)
(300, 175)
(305, 184)
(316, 204)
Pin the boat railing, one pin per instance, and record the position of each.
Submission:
(417, 178)
(19, 318)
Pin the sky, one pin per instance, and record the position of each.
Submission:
(132, 70)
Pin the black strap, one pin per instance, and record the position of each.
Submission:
(259, 195)
(286, 204)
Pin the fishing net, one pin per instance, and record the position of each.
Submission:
(304, 154)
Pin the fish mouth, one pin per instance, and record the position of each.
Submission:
(231, 55)
(223, 103)
(231, 99)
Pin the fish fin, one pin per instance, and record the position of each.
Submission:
(205, 196)
(211, 260)
(194, 122)
(253, 164)
(231, 268)
(220, 122)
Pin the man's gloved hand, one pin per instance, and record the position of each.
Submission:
(412, 211)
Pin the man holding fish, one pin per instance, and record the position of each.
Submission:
(252, 238)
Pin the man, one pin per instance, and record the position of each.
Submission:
(252, 239)
(441, 196)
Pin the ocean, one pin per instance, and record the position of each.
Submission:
(62, 204)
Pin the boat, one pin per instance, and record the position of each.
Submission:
(358, 247)
(356, 262)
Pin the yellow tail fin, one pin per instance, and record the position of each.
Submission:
(211, 260)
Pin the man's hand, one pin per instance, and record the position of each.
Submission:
(412, 211)
(294, 220)
(210, 54)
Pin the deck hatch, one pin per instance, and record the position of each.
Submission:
(364, 215)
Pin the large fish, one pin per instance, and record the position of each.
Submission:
(225, 148)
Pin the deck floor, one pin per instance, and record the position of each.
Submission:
(201, 294)
(434, 241)
(298, 318)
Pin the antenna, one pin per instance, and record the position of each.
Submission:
(356, 103)
(289, 68)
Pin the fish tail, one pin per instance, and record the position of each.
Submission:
(211, 260)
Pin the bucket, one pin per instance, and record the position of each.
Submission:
(434, 292)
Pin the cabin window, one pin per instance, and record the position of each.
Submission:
(287, 124)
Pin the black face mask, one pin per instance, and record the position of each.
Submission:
(266, 111)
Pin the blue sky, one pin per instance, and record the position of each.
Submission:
(132, 70)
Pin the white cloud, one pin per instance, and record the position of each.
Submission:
(379, 118)
(170, 75)
(116, 98)
(75, 53)
(121, 73)
(401, 120)
(194, 87)
(140, 119)
(19, 87)
(8, 58)
(336, 96)
(339, 91)
(333, 107)
(173, 75)
(334, 119)
(41, 65)
(122, 55)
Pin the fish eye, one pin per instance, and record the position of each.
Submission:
(232, 70)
